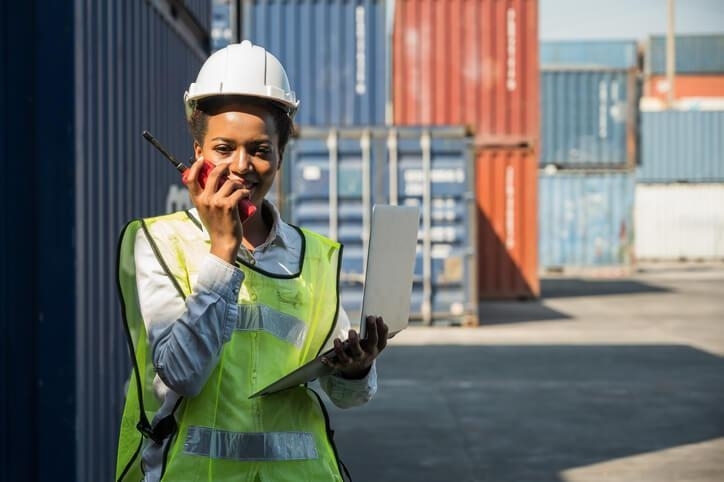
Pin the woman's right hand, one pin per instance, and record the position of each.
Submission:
(217, 203)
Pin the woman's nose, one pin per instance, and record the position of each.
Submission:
(243, 162)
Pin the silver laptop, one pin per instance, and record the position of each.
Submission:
(388, 283)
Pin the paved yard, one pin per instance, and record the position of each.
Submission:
(602, 380)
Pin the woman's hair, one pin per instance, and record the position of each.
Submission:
(198, 123)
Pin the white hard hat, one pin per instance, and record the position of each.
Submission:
(242, 69)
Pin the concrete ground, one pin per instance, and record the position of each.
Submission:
(602, 380)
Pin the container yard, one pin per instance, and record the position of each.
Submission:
(570, 255)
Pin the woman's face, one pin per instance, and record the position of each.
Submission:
(245, 135)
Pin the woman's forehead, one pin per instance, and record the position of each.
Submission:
(240, 119)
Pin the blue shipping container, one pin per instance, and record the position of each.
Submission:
(588, 117)
(98, 74)
(585, 219)
(221, 28)
(332, 178)
(681, 146)
(613, 54)
(334, 52)
(695, 54)
(200, 10)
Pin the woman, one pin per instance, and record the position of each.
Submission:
(226, 298)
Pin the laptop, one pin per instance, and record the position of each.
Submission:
(387, 287)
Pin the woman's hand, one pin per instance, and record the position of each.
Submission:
(217, 203)
(354, 357)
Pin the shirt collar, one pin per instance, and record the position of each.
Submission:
(277, 235)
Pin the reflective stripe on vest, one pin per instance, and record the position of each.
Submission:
(247, 446)
(255, 317)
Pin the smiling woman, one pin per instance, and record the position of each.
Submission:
(241, 140)
(206, 320)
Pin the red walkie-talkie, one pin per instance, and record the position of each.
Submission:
(246, 207)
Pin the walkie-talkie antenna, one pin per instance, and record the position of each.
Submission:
(180, 166)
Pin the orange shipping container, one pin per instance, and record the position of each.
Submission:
(685, 86)
(507, 198)
(472, 62)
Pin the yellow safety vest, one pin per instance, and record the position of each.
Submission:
(284, 322)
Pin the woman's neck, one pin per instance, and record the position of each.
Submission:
(257, 227)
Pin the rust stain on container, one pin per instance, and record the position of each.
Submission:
(472, 62)
(507, 199)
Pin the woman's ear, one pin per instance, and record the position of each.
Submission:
(197, 150)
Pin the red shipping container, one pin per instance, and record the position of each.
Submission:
(688, 85)
(472, 62)
(507, 196)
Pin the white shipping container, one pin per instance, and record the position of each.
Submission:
(679, 221)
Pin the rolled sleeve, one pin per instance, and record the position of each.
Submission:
(346, 393)
(218, 276)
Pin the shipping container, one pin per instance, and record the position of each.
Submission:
(221, 25)
(681, 146)
(677, 222)
(199, 13)
(685, 85)
(468, 62)
(589, 117)
(507, 196)
(612, 54)
(76, 97)
(585, 219)
(334, 52)
(695, 54)
(333, 177)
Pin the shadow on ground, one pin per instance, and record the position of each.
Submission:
(527, 413)
(573, 287)
(501, 312)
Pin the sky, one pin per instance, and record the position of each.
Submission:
(626, 19)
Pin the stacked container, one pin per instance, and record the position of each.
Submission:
(420, 85)
(76, 95)
(476, 63)
(589, 114)
(699, 69)
(680, 182)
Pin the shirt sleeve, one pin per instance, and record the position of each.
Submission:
(343, 392)
(186, 336)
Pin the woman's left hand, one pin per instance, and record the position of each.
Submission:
(354, 357)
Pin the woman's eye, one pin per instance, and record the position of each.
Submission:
(263, 149)
(223, 148)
